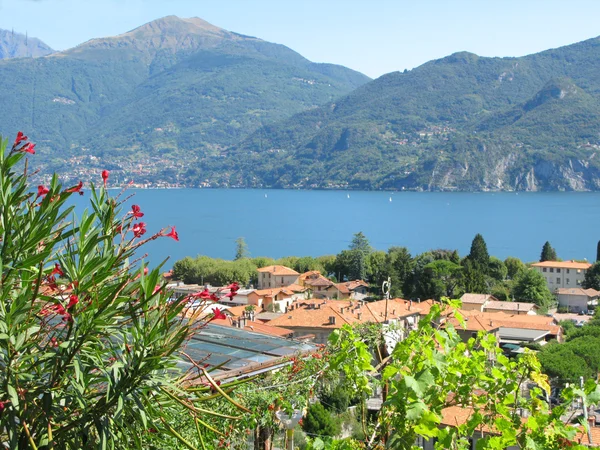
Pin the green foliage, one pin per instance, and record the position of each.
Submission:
(89, 342)
(241, 249)
(433, 368)
(479, 255)
(497, 269)
(217, 272)
(592, 277)
(441, 278)
(513, 267)
(530, 286)
(320, 422)
(548, 253)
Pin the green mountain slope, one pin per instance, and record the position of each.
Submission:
(180, 87)
(16, 45)
(462, 122)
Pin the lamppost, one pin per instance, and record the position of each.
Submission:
(289, 422)
(385, 289)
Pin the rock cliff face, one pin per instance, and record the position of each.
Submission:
(16, 45)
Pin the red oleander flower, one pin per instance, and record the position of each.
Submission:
(3, 404)
(136, 212)
(139, 229)
(172, 234)
(29, 148)
(157, 288)
(77, 188)
(145, 271)
(42, 190)
(51, 283)
(214, 297)
(73, 300)
(57, 271)
(231, 295)
(218, 314)
(105, 176)
(119, 228)
(234, 287)
(204, 294)
(20, 138)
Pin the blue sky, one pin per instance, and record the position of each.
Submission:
(374, 37)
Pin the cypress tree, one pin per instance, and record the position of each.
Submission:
(548, 253)
(479, 255)
(598, 251)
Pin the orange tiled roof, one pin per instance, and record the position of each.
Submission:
(237, 311)
(309, 274)
(477, 299)
(305, 315)
(582, 437)
(296, 287)
(348, 286)
(511, 306)
(278, 270)
(578, 291)
(523, 321)
(563, 264)
(271, 292)
(320, 281)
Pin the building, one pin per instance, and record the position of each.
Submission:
(320, 317)
(577, 299)
(475, 302)
(356, 290)
(275, 299)
(276, 276)
(562, 274)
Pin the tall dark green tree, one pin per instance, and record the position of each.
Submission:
(479, 255)
(548, 253)
(241, 249)
(399, 267)
(592, 277)
(598, 251)
(530, 286)
(359, 249)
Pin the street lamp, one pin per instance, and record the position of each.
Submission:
(289, 422)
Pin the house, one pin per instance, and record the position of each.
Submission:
(275, 299)
(562, 274)
(320, 287)
(475, 302)
(240, 317)
(518, 308)
(276, 276)
(321, 317)
(473, 325)
(489, 303)
(518, 328)
(356, 290)
(577, 299)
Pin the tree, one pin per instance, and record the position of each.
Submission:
(360, 243)
(479, 255)
(89, 344)
(598, 252)
(319, 421)
(530, 286)
(441, 278)
(474, 279)
(399, 266)
(497, 269)
(513, 266)
(592, 277)
(377, 269)
(356, 258)
(548, 253)
(241, 249)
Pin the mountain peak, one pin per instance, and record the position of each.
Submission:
(174, 24)
(17, 45)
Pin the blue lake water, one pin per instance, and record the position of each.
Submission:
(286, 222)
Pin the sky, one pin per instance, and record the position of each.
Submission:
(371, 36)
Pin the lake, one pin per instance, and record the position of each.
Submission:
(291, 222)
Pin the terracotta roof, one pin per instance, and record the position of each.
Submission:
(582, 437)
(309, 274)
(478, 299)
(522, 321)
(272, 292)
(237, 311)
(563, 264)
(278, 270)
(296, 287)
(321, 281)
(455, 416)
(316, 313)
(578, 291)
(511, 306)
(475, 323)
(348, 286)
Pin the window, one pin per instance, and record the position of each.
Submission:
(568, 281)
(282, 279)
(551, 269)
(568, 270)
(544, 269)
(578, 282)
(558, 281)
(557, 270)
(578, 270)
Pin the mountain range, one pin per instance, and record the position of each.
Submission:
(181, 101)
(16, 45)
